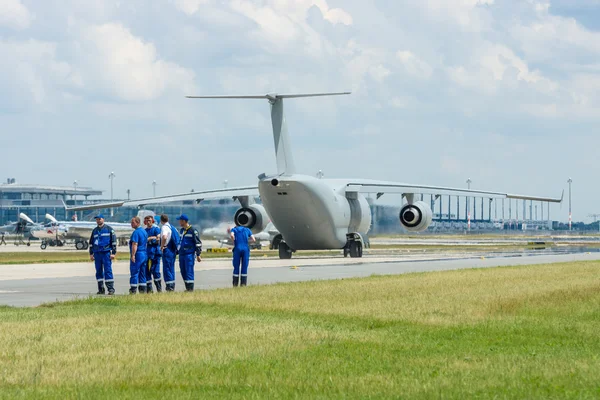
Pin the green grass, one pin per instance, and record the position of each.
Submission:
(523, 332)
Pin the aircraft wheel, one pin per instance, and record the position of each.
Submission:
(28, 244)
(80, 245)
(60, 243)
(285, 253)
(86, 245)
(43, 246)
(356, 250)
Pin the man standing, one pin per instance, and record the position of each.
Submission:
(137, 249)
(154, 254)
(103, 249)
(169, 241)
(190, 246)
(241, 253)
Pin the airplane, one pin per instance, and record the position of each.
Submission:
(20, 229)
(56, 233)
(312, 213)
(221, 234)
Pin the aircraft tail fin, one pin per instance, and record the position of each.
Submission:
(281, 139)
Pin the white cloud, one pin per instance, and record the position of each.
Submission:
(414, 65)
(14, 14)
(190, 7)
(470, 15)
(31, 72)
(128, 67)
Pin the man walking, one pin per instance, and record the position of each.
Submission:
(190, 250)
(154, 254)
(137, 264)
(240, 235)
(103, 249)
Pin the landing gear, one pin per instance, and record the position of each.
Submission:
(81, 245)
(285, 253)
(44, 245)
(354, 245)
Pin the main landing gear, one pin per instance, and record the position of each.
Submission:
(285, 253)
(51, 243)
(82, 245)
(354, 245)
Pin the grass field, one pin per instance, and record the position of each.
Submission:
(524, 332)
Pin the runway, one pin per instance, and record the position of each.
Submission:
(35, 284)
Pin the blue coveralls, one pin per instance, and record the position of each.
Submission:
(154, 254)
(169, 254)
(190, 247)
(103, 243)
(138, 268)
(241, 254)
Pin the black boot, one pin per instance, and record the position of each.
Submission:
(236, 281)
(111, 288)
(170, 287)
(133, 290)
(149, 287)
(158, 285)
(101, 288)
(142, 288)
(189, 287)
(244, 280)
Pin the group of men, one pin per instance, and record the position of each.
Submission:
(147, 246)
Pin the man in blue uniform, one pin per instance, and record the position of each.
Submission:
(240, 235)
(137, 249)
(190, 250)
(154, 254)
(169, 241)
(103, 248)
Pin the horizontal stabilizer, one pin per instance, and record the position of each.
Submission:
(271, 96)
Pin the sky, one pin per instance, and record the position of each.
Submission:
(505, 92)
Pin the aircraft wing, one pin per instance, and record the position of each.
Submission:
(193, 196)
(383, 187)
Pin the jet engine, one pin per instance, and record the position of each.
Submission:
(416, 217)
(253, 217)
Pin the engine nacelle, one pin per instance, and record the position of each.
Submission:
(253, 217)
(416, 217)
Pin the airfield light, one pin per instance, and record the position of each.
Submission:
(569, 181)
(111, 176)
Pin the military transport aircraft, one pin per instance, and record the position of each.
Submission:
(312, 213)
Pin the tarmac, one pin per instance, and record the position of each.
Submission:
(35, 284)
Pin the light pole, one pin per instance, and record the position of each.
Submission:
(153, 188)
(225, 183)
(111, 176)
(469, 205)
(569, 181)
(75, 187)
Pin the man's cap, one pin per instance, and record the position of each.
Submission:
(99, 216)
(183, 217)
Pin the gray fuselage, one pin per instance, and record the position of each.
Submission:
(313, 213)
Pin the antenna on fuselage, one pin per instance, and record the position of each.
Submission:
(281, 139)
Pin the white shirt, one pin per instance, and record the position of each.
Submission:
(165, 232)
